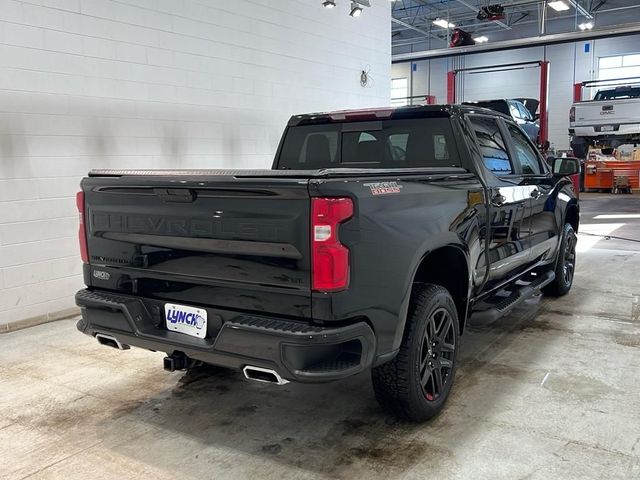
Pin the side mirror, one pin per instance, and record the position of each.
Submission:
(564, 167)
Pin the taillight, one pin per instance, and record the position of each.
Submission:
(572, 114)
(329, 257)
(82, 231)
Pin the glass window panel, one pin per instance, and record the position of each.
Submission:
(631, 60)
(492, 146)
(524, 153)
(610, 62)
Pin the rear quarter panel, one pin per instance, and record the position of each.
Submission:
(388, 236)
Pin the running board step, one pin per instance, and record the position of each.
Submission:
(494, 311)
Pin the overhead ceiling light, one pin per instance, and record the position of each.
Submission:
(586, 26)
(481, 39)
(559, 6)
(356, 10)
(329, 3)
(441, 22)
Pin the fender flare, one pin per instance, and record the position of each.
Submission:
(406, 298)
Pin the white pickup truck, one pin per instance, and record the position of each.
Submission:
(611, 119)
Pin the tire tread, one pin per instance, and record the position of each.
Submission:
(391, 381)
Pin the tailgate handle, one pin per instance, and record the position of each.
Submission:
(178, 195)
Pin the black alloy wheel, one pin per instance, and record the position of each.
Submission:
(436, 355)
(569, 264)
(416, 383)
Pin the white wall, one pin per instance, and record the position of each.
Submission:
(153, 84)
(569, 64)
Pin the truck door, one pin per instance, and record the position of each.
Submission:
(543, 224)
(510, 204)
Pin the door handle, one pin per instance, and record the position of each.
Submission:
(536, 194)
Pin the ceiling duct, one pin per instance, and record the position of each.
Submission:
(460, 38)
(491, 13)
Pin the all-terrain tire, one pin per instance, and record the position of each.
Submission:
(430, 344)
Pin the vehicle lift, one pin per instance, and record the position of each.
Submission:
(544, 87)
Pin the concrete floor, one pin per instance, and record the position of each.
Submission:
(551, 392)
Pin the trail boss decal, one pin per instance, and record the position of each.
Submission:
(383, 188)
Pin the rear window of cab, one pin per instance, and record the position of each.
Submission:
(394, 143)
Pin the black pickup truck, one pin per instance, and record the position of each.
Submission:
(373, 240)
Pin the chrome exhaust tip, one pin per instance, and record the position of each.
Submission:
(110, 341)
(264, 375)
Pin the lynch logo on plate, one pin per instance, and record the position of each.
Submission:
(383, 188)
(189, 320)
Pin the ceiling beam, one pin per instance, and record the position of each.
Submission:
(580, 9)
(416, 29)
(620, 30)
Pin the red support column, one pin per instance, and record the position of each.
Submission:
(577, 92)
(544, 95)
(451, 87)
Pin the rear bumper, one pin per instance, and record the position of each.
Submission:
(297, 351)
(619, 130)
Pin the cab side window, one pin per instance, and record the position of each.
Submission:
(523, 153)
(492, 145)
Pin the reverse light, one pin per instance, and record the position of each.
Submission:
(329, 257)
(82, 231)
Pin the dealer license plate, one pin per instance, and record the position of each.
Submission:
(189, 320)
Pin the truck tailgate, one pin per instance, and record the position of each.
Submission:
(606, 112)
(220, 241)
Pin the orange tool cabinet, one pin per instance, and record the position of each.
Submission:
(599, 175)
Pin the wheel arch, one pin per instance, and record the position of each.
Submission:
(572, 215)
(447, 266)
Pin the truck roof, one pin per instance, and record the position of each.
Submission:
(381, 113)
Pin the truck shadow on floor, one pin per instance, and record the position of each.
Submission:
(335, 429)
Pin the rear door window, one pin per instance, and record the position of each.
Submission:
(492, 145)
(524, 154)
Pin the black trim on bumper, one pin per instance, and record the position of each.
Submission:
(298, 351)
